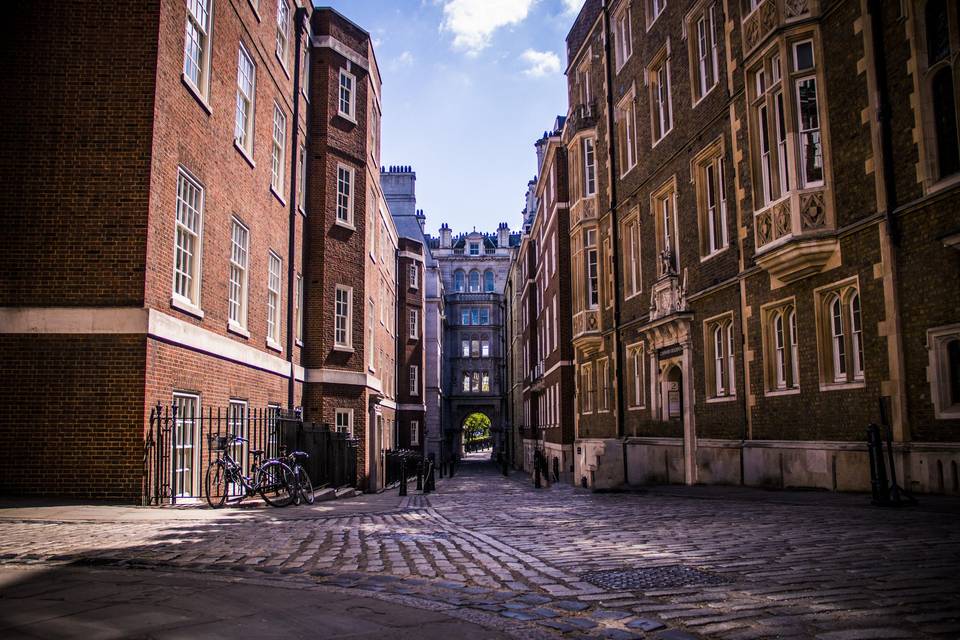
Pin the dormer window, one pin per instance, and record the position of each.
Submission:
(474, 248)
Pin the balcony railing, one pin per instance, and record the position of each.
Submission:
(582, 116)
(585, 209)
(796, 213)
(586, 323)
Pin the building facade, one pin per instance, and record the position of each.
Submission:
(540, 330)
(399, 190)
(473, 268)
(753, 203)
(220, 240)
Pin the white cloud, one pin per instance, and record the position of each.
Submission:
(473, 22)
(572, 6)
(540, 63)
(405, 59)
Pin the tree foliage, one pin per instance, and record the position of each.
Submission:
(476, 427)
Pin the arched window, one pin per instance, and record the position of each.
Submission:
(945, 122)
(718, 361)
(485, 346)
(856, 335)
(475, 346)
(466, 382)
(794, 351)
(836, 339)
(458, 280)
(488, 281)
(779, 348)
(474, 281)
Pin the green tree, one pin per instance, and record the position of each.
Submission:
(476, 427)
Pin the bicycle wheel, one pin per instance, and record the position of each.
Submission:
(216, 484)
(304, 485)
(278, 485)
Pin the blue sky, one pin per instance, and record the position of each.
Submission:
(468, 86)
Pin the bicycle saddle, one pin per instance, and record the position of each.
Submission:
(298, 455)
(256, 452)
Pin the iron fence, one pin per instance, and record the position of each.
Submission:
(400, 462)
(180, 444)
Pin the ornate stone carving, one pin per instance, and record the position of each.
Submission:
(764, 228)
(781, 219)
(668, 296)
(759, 24)
(795, 8)
(813, 214)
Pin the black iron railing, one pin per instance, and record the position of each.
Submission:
(400, 463)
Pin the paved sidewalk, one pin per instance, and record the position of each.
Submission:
(92, 604)
(666, 562)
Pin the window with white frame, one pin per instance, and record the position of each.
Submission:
(592, 269)
(488, 281)
(414, 380)
(622, 36)
(414, 276)
(342, 314)
(626, 123)
(943, 345)
(236, 425)
(346, 104)
(711, 199)
(938, 29)
(474, 248)
(237, 299)
(654, 9)
(196, 48)
(371, 336)
(298, 308)
(661, 102)
(780, 344)
(414, 433)
(283, 31)
(589, 167)
(465, 348)
(466, 382)
(841, 329)
(187, 248)
(474, 281)
(343, 420)
(631, 255)
(186, 447)
(345, 195)
(458, 281)
(273, 300)
(663, 204)
(636, 371)
(484, 346)
(704, 50)
(302, 180)
(603, 385)
(719, 366)
(586, 387)
(485, 382)
(278, 150)
(414, 324)
(809, 146)
(246, 83)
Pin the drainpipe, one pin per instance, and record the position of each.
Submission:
(614, 240)
(299, 17)
(875, 8)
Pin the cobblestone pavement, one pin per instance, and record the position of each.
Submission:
(561, 561)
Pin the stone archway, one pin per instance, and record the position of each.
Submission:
(475, 432)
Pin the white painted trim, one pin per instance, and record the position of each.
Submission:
(410, 255)
(330, 42)
(412, 407)
(138, 321)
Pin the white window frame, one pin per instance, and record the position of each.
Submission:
(343, 335)
(274, 299)
(938, 340)
(661, 99)
(636, 361)
(589, 167)
(344, 215)
(246, 103)
(186, 457)
(238, 292)
(414, 380)
(351, 95)
(414, 275)
(186, 296)
(627, 114)
(623, 36)
(302, 181)
(343, 420)
(278, 150)
(298, 308)
(201, 25)
(414, 324)
(283, 33)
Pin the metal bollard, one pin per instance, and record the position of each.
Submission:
(403, 476)
(879, 486)
(420, 476)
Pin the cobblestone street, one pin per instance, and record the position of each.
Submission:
(714, 562)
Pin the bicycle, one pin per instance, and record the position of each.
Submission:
(274, 480)
(304, 484)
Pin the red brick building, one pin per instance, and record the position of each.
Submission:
(196, 183)
(760, 194)
(411, 355)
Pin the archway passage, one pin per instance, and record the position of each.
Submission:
(476, 432)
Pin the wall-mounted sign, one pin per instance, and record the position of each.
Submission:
(673, 403)
(669, 352)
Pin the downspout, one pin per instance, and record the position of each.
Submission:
(614, 241)
(299, 17)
